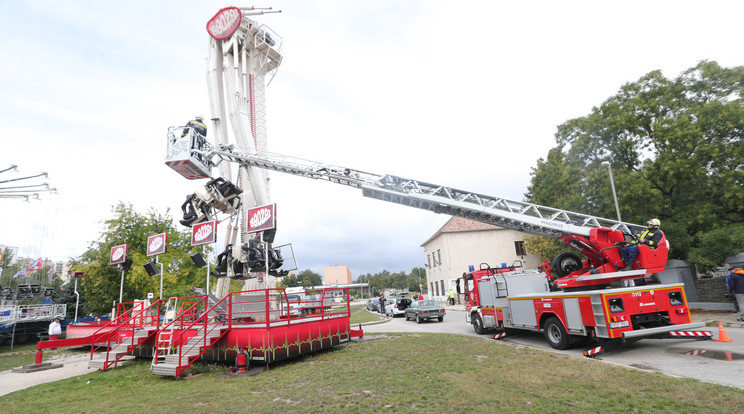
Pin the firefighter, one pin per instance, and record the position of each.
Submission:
(650, 237)
(198, 125)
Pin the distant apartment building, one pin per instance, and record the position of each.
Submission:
(336, 275)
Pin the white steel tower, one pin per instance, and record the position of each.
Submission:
(242, 54)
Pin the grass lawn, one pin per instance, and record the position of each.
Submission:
(396, 373)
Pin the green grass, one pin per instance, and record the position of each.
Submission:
(25, 353)
(359, 315)
(421, 373)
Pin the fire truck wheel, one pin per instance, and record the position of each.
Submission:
(555, 334)
(478, 324)
(566, 263)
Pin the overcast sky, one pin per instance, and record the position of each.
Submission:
(466, 94)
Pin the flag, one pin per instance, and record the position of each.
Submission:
(35, 265)
(20, 273)
(50, 271)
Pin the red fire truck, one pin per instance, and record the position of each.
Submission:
(502, 300)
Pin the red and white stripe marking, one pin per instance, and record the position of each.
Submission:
(697, 352)
(593, 351)
(691, 333)
(499, 336)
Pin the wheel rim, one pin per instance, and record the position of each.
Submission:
(554, 334)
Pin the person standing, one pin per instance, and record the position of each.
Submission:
(737, 288)
(729, 287)
(451, 297)
(55, 329)
(382, 303)
(197, 124)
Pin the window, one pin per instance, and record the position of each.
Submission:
(442, 281)
(428, 260)
(439, 257)
(519, 248)
(433, 285)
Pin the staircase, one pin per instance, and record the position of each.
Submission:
(122, 346)
(172, 361)
(187, 337)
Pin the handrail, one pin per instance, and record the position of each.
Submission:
(120, 322)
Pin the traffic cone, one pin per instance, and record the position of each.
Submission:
(722, 335)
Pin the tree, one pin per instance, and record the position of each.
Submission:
(102, 281)
(676, 150)
(307, 279)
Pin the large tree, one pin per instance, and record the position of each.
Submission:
(102, 281)
(676, 153)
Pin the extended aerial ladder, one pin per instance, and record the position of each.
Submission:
(597, 238)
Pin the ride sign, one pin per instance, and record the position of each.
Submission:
(204, 233)
(157, 244)
(119, 254)
(224, 23)
(261, 218)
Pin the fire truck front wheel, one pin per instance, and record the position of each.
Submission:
(478, 324)
(555, 333)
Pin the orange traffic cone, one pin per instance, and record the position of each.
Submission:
(722, 335)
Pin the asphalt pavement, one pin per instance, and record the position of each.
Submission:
(704, 360)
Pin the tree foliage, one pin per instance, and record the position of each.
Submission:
(676, 153)
(102, 281)
(307, 278)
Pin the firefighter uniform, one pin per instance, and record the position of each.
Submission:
(650, 237)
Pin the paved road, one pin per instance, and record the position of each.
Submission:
(668, 356)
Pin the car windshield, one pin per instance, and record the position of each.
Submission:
(428, 303)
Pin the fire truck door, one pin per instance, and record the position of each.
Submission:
(523, 313)
(573, 315)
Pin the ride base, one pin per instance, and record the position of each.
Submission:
(179, 331)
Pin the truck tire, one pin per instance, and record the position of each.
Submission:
(555, 333)
(565, 264)
(478, 324)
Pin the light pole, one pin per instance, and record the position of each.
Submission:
(421, 288)
(612, 183)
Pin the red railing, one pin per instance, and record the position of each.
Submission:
(129, 319)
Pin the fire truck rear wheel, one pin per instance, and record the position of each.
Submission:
(478, 324)
(555, 333)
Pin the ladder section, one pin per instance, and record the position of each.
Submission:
(131, 329)
(516, 215)
(600, 323)
(188, 336)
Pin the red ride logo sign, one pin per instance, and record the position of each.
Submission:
(157, 244)
(119, 254)
(204, 233)
(261, 218)
(224, 23)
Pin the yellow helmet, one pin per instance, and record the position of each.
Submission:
(654, 222)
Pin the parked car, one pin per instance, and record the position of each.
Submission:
(397, 306)
(424, 309)
(373, 304)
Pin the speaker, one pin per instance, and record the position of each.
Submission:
(198, 260)
(126, 265)
(150, 268)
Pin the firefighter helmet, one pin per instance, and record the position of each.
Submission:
(654, 222)
(199, 118)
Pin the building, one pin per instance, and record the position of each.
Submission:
(461, 243)
(336, 275)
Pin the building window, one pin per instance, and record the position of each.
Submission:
(439, 257)
(442, 281)
(428, 259)
(519, 248)
(433, 286)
